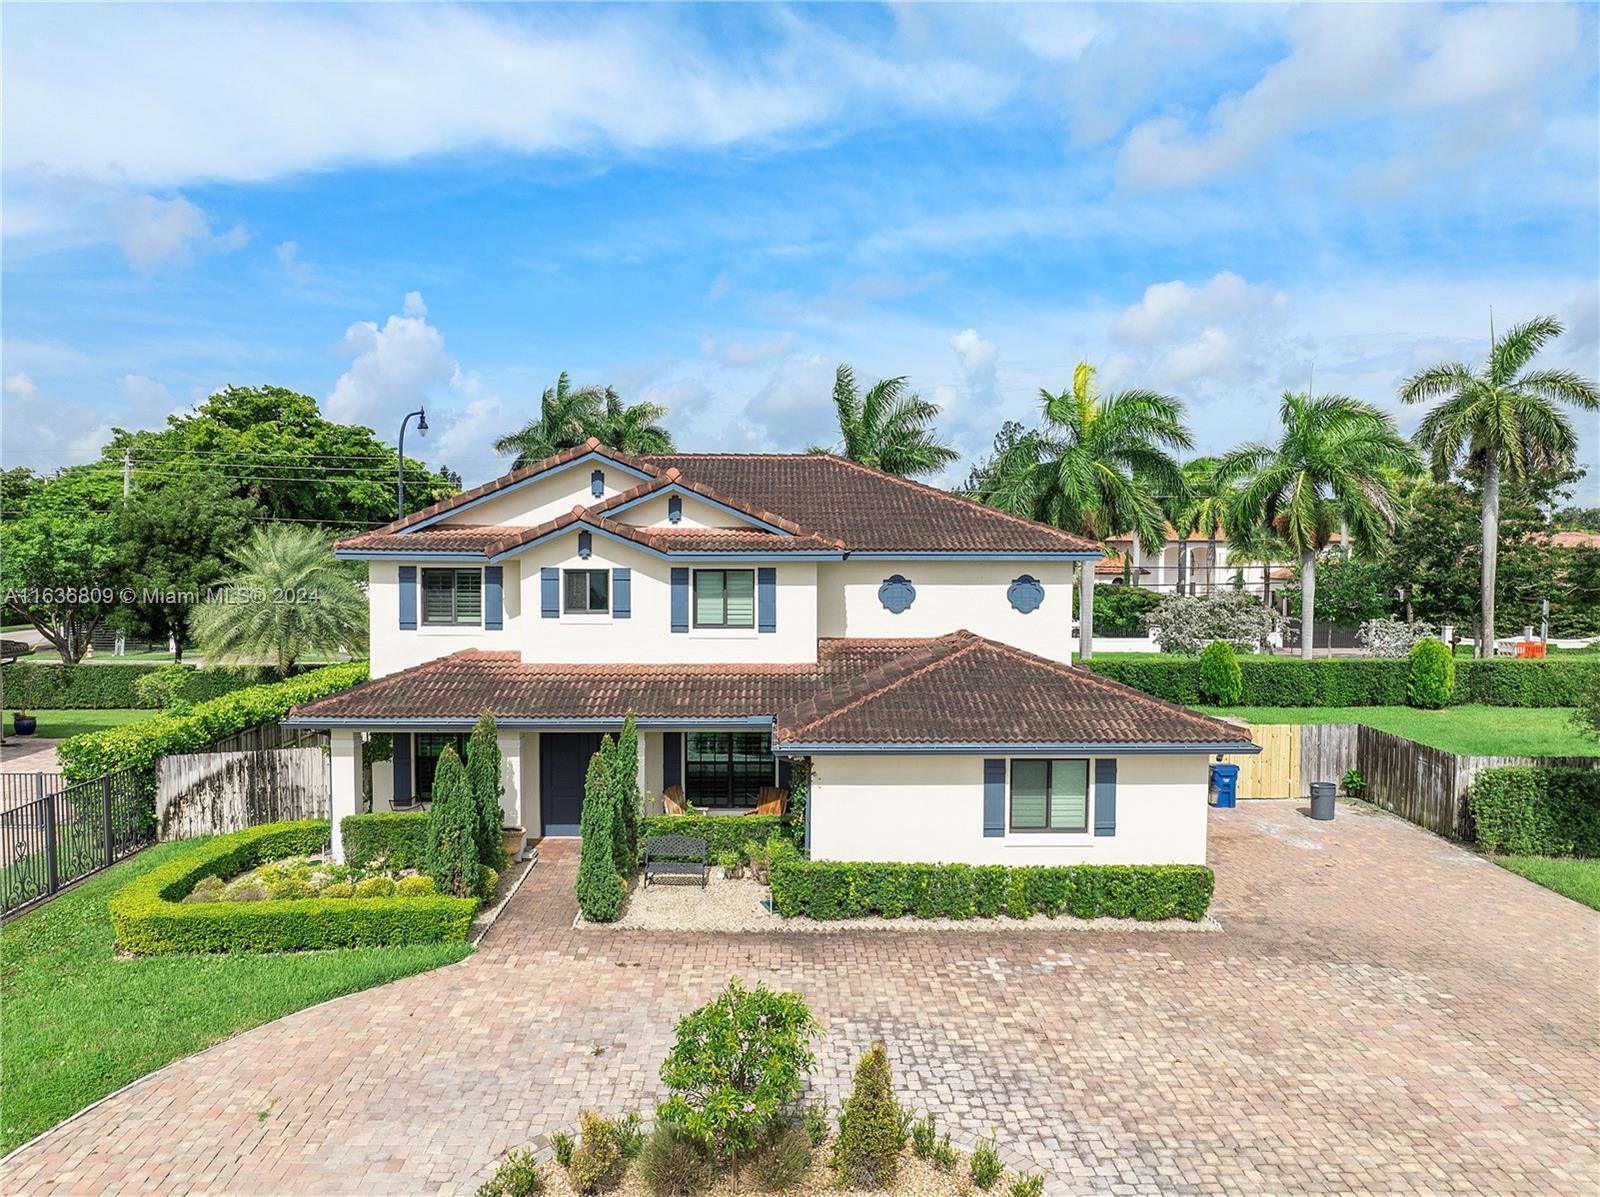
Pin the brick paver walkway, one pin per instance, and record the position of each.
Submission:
(1384, 1013)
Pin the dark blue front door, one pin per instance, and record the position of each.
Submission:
(563, 764)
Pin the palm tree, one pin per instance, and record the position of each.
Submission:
(1504, 419)
(567, 417)
(287, 600)
(1096, 465)
(1254, 544)
(888, 428)
(1332, 460)
(632, 429)
(1201, 506)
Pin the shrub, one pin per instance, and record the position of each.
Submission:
(1030, 1184)
(1432, 677)
(483, 786)
(1121, 610)
(1220, 679)
(924, 1137)
(1354, 784)
(1518, 683)
(674, 1163)
(162, 688)
(630, 1136)
(1534, 810)
(397, 839)
(737, 1062)
(150, 917)
(782, 1158)
(561, 1146)
(342, 889)
(416, 887)
(296, 887)
(625, 781)
(1586, 714)
(597, 1164)
(728, 862)
(945, 1156)
(33, 684)
(867, 1152)
(599, 893)
(1187, 623)
(489, 881)
(814, 1118)
(517, 1176)
(207, 889)
(986, 1166)
(832, 889)
(720, 833)
(453, 831)
(375, 887)
(1393, 637)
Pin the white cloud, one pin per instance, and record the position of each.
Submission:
(144, 394)
(396, 367)
(288, 255)
(20, 386)
(157, 232)
(978, 359)
(742, 356)
(1172, 307)
(795, 407)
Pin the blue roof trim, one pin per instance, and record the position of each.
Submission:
(424, 722)
(921, 555)
(577, 526)
(991, 748)
(591, 455)
(677, 488)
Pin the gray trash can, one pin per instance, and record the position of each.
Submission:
(1322, 793)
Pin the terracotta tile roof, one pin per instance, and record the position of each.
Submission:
(672, 476)
(1113, 563)
(956, 689)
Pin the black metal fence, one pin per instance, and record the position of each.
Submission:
(65, 833)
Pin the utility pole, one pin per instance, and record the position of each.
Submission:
(127, 474)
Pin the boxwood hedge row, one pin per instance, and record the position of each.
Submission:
(151, 919)
(1357, 682)
(721, 832)
(826, 889)
(400, 838)
(44, 687)
(1535, 810)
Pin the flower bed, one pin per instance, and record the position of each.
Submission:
(152, 917)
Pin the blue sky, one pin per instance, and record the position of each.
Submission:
(710, 207)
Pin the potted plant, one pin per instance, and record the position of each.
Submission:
(23, 723)
(731, 868)
(514, 842)
(757, 856)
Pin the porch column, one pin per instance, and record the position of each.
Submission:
(1085, 610)
(510, 745)
(344, 796)
(644, 772)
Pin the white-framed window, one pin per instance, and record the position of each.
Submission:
(1049, 795)
(724, 598)
(586, 591)
(452, 597)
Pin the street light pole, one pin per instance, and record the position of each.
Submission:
(400, 490)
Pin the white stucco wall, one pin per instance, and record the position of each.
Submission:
(652, 513)
(930, 808)
(545, 497)
(394, 649)
(950, 595)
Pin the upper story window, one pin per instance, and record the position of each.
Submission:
(1049, 795)
(588, 591)
(452, 597)
(724, 598)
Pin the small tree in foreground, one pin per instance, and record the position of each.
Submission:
(483, 781)
(866, 1154)
(452, 852)
(737, 1063)
(1221, 679)
(1433, 675)
(625, 786)
(599, 885)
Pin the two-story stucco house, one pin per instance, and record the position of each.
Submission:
(752, 610)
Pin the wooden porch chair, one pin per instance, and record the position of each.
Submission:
(771, 800)
(672, 800)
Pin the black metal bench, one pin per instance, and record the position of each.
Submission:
(676, 856)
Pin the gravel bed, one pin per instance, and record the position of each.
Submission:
(725, 905)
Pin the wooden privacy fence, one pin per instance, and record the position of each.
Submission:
(1427, 786)
(204, 793)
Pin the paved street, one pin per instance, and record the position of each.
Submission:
(1383, 1013)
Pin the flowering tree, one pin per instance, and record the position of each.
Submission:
(1393, 637)
(1187, 623)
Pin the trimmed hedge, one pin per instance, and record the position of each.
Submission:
(400, 837)
(1536, 810)
(1357, 682)
(42, 687)
(829, 889)
(138, 745)
(151, 919)
(722, 833)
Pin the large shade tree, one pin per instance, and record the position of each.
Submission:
(1506, 421)
(889, 428)
(1335, 460)
(285, 600)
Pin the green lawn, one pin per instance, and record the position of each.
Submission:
(79, 1024)
(1575, 879)
(58, 725)
(1467, 730)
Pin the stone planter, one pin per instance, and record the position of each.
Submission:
(24, 725)
(515, 841)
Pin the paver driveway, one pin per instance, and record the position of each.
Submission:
(1384, 1013)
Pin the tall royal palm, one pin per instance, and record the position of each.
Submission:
(1335, 459)
(567, 417)
(1096, 465)
(889, 428)
(1504, 419)
(634, 428)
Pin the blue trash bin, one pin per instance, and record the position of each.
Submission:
(1224, 785)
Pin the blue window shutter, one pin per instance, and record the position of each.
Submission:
(766, 599)
(402, 764)
(549, 592)
(1105, 797)
(585, 545)
(671, 759)
(597, 483)
(494, 603)
(622, 594)
(408, 598)
(680, 599)
(675, 508)
(994, 798)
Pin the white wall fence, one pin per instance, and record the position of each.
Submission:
(206, 793)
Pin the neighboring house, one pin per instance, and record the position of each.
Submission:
(751, 611)
(1195, 564)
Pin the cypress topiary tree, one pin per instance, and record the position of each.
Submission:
(483, 781)
(599, 888)
(625, 783)
(867, 1152)
(1221, 680)
(1433, 675)
(452, 831)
